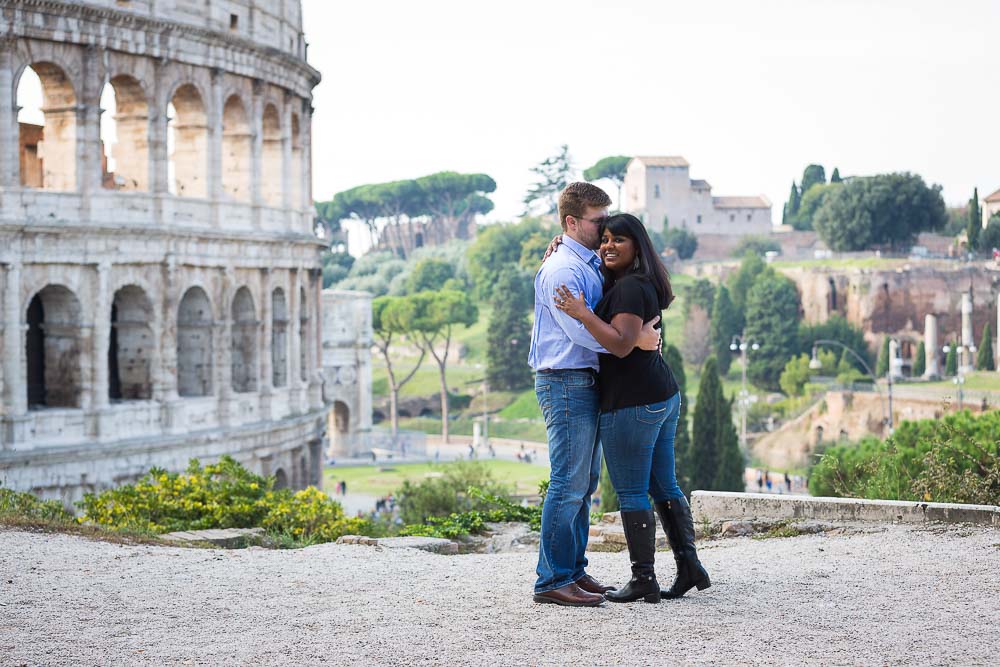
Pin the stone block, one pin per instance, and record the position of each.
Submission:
(228, 538)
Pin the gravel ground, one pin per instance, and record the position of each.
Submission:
(896, 595)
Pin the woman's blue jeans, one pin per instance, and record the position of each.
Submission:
(570, 405)
(639, 448)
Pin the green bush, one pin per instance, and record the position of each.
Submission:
(491, 509)
(954, 459)
(440, 497)
(223, 495)
(26, 506)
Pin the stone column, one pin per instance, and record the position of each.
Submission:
(256, 151)
(295, 349)
(214, 176)
(9, 134)
(15, 392)
(159, 158)
(286, 163)
(315, 357)
(99, 399)
(895, 362)
(965, 357)
(265, 378)
(222, 337)
(88, 163)
(165, 388)
(306, 202)
(932, 370)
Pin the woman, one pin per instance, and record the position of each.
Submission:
(640, 401)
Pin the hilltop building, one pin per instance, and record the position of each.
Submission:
(661, 192)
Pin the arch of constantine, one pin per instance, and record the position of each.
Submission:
(167, 308)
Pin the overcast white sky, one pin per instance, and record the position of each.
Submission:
(748, 92)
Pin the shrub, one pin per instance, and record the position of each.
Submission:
(954, 459)
(492, 509)
(440, 497)
(758, 245)
(222, 495)
(26, 506)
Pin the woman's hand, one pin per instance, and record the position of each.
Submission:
(553, 246)
(575, 307)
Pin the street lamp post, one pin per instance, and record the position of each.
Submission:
(815, 364)
(959, 378)
(741, 343)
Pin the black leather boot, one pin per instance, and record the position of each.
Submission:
(675, 515)
(640, 535)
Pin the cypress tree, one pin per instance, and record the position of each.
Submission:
(609, 497)
(682, 439)
(791, 206)
(984, 356)
(882, 365)
(835, 176)
(814, 174)
(708, 434)
(725, 325)
(951, 360)
(732, 467)
(920, 363)
(509, 336)
(975, 224)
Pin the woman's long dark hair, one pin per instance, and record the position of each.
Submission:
(650, 266)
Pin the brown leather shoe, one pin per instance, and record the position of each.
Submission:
(591, 585)
(569, 595)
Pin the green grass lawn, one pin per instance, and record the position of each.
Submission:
(381, 480)
(533, 431)
(975, 381)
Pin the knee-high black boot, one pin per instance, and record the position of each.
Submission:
(640, 535)
(675, 515)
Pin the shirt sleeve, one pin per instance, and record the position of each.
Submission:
(574, 329)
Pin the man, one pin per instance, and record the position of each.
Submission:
(564, 357)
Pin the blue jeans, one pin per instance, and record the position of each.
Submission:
(639, 448)
(569, 403)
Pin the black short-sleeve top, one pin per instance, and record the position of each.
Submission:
(642, 377)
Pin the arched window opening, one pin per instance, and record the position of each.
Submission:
(244, 342)
(271, 157)
(194, 344)
(338, 425)
(280, 479)
(295, 171)
(187, 144)
(833, 296)
(130, 351)
(124, 135)
(303, 471)
(236, 153)
(303, 334)
(279, 339)
(53, 349)
(47, 128)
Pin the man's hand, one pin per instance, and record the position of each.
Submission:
(649, 338)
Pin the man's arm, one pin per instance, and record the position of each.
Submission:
(573, 329)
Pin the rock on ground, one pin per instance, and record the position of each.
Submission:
(899, 596)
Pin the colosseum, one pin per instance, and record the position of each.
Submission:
(161, 291)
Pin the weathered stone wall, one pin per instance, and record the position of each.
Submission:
(171, 311)
(347, 369)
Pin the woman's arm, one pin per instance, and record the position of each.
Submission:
(618, 337)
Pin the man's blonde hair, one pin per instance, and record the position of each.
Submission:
(575, 199)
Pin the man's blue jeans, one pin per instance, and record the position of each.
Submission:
(569, 403)
(639, 448)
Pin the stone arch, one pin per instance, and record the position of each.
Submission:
(339, 426)
(236, 149)
(280, 479)
(131, 346)
(279, 338)
(303, 334)
(194, 344)
(295, 169)
(48, 151)
(129, 154)
(187, 142)
(53, 345)
(271, 157)
(303, 471)
(832, 305)
(244, 342)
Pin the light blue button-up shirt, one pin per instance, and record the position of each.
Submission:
(557, 340)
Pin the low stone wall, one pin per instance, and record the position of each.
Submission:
(718, 506)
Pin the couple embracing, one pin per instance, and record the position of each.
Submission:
(601, 381)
